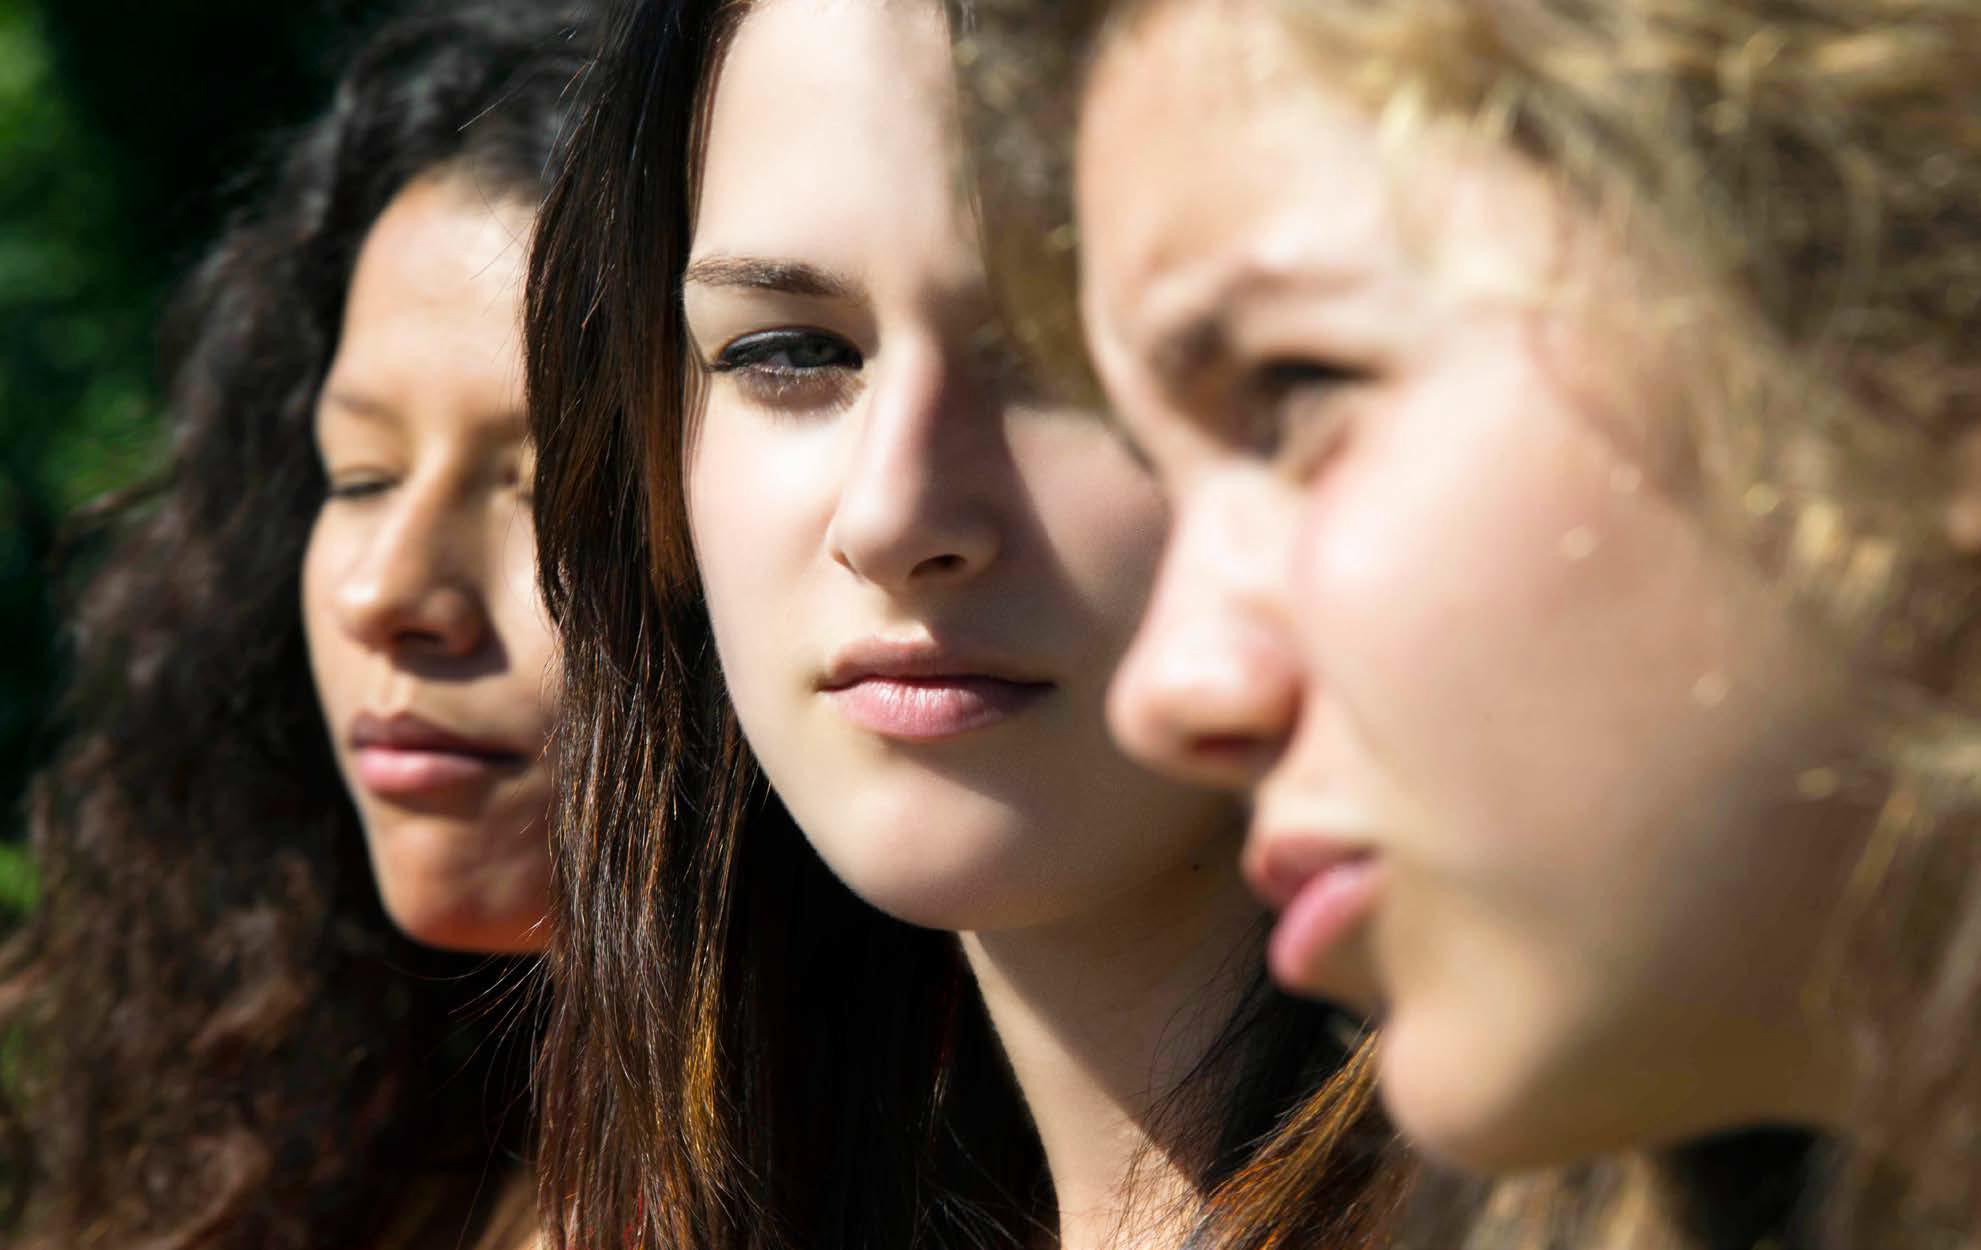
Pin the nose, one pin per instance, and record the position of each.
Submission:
(408, 591)
(914, 509)
(1210, 690)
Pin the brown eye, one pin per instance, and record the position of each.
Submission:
(1292, 410)
(1300, 381)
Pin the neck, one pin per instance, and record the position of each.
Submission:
(1102, 1017)
(512, 1225)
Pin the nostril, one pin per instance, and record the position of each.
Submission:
(424, 639)
(1235, 758)
(940, 564)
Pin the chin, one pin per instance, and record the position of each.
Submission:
(997, 849)
(968, 904)
(445, 887)
(963, 871)
(467, 925)
(1442, 1091)
(1460, 1101)
(960, 889)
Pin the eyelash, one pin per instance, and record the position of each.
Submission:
(360, 489)
(752, 361)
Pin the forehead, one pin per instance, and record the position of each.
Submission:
(442, 241)
(435, 301)
(1205, 141)
(1218, 162)
(830, 127)
(442, 260)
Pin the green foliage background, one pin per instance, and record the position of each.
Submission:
(124, 133)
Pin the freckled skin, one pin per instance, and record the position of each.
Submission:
(1450, 614)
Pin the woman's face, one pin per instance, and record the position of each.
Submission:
(919, 581)
(1529, 752)
(433, 659)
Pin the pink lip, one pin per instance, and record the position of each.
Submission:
(925, 709)
(405, 755)
(923, 691)
(1324, 889)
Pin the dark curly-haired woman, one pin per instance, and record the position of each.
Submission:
(310, 709)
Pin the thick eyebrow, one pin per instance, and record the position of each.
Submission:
(788, 277)
(1200, 337)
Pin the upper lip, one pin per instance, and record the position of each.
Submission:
(921, 659)
(1278, 865)
(407, 731)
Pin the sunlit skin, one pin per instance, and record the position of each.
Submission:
(432, 656)
(1529, 749)
(861, 478)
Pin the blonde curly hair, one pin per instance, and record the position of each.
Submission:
(1814, 169)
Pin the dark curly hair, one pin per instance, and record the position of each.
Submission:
(214, 1036)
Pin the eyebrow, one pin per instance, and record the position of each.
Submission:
(358, 405)
(506, 423)
(1202, 338)
(787, 277)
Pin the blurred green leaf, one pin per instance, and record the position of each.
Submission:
(16, 880)
(123, 129)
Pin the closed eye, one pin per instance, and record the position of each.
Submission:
(355, 487)
(791, 368)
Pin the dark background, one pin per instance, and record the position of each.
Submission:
(126, 132)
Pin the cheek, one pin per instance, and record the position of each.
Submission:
(1569, 713)
(1419, 582)
(526, 630)
(1514, 643)
(754, 520)
(1101, 516)
(720, 478)
(322, 633)
(759, 488)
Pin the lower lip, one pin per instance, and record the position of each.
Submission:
(1322, 913)
(394, 771)
(935, 708)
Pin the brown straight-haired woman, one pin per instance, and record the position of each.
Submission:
(1573, 423)
(292, 852)
(967, 978)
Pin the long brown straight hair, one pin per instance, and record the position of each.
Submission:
(741, 1053)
